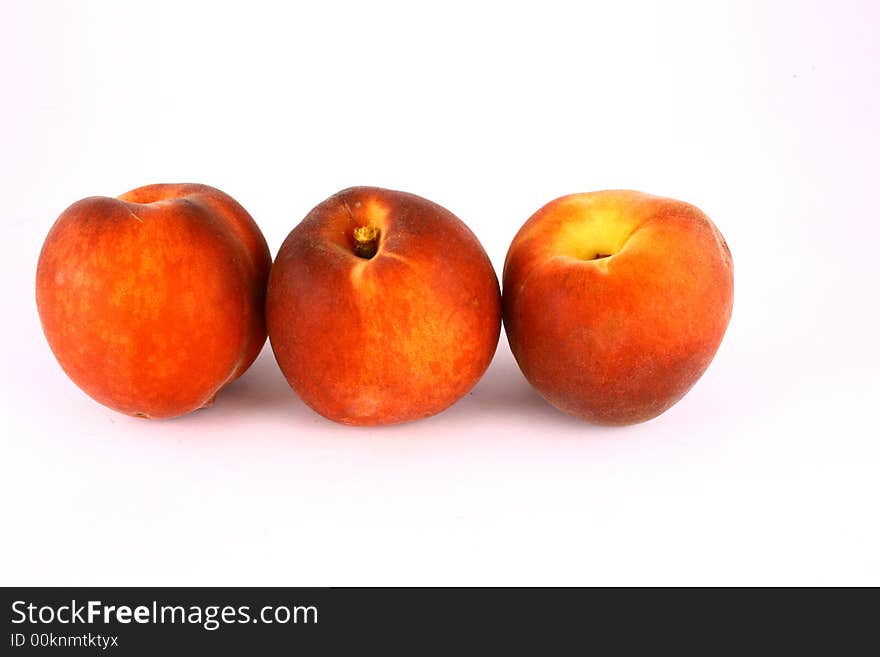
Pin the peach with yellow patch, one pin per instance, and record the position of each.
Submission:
(615, 302)
(153, 301)
(382, 307)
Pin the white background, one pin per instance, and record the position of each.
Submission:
(763, 114)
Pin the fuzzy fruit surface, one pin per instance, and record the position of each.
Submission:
(382, 308)
(615, 302)
(153, 301)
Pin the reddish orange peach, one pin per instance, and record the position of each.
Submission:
(382, 307)
(153, 301)
(615, 302)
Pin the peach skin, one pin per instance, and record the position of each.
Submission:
(382, 308)
(615, 302)
(153, 301)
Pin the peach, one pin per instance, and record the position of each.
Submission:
(615, 302)
(153, 301)
(382, 307)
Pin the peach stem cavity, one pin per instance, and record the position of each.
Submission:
(366, 241)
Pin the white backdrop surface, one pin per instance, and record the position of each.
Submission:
(763, 114)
